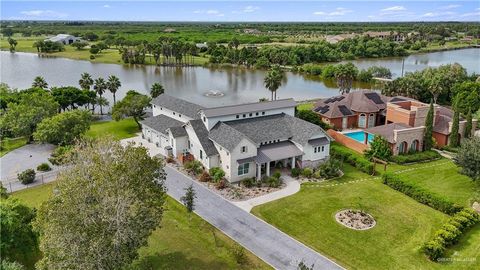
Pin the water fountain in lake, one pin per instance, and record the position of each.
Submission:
(213, 93)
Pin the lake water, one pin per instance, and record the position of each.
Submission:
(192, 83)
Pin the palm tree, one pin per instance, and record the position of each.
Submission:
(101, 101)
(113, 84)
(156, 90)
(100, 86)
(345, 74)
(39, 82)
(273, 80)
(85, 81)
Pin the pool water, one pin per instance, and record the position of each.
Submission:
(359, 136)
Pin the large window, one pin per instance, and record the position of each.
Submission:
(362, 119)
(243, 168)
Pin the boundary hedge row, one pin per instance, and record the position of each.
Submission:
(450, 233)
(416, 157)
(421, 195)
(353, 159)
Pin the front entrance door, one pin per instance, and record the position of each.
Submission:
(344, 122)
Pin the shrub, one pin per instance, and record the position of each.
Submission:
(217, 173)
(27, 176)
(194, 167)
(307, 172)
(205, 177)
(379, 148)
(239, 254)
(277, 174)
(421, 195)
(295, 172)
(221, 184)
(450, 233)
(61, 155)
(92, 57)
(329, 169)
(415, 157)
(273, 181)
(354, 159)
(249, 182)
(44, 167)
(170, 159)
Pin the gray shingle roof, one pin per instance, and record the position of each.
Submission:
(161, 123)
(249, 107)
(264, 129)
(178, 132)
(202, 135)
(178, 105)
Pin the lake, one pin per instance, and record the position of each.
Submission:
(192, 83)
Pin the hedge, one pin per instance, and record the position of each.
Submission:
(450, 233)
(353, 159)
(421, 195)
(415, 157)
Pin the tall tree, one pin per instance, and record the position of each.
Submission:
(22, 118)
(132, 105)
(100, 86)
(468, 125)
(428, 139)
(468, 158)
(39, 82)
(156, 90)
(273, 80)
(18, 240)
(105, 207)
(113, 84)
(13, 44)
(453, 138)
(63, 128)
(345, 74)
(85, 81)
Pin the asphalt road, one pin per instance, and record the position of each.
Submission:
(268, 243)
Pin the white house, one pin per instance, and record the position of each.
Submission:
(63, 38)
(245, 140)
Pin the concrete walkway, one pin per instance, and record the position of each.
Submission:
(25, 157)
(292, 187)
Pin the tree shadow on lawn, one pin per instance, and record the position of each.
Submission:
(175, 260)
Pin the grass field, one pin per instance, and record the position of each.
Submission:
(122, 129)
(109, 56)
(305, 106)
(179, 243)
(403, 224)
(11, 144)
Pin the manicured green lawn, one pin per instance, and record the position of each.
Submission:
(122, 129)
(403, 224)
(441, 177)
(11, 144)
(305, 106)
(179, 243)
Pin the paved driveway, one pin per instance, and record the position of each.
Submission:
(271, 245)
(25, 157)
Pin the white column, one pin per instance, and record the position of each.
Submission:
(268, 169)
(293, 162)
(259, 172)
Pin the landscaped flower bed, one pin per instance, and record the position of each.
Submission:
(355, 219)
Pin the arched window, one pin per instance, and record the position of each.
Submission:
(402, 148)
(414, 146)
(371, 120)
(362, 120)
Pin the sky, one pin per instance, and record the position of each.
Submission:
(254, 11)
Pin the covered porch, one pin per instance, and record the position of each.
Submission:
(268, 156)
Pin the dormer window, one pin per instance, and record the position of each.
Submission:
(250, 115)
(244, 115)
(256, 114)
(238, 116)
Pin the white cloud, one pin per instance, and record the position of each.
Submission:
(43, 13)
(471, 14)
(449, 7)
(336, 12)
(106, 6)
(437, 14)
(249, 9)
(212, 12)
(394, 8)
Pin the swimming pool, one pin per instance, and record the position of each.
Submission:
(359, 136)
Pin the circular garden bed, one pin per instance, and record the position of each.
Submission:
(355, 219)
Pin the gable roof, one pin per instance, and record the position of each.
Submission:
(178, 105)
(162, 123)
(249, 107)
(386, 131)
(202, 134)
(264, 129)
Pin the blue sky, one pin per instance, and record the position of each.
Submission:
(320, 11)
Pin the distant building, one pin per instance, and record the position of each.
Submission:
(395, 36)
(252, 31)
(202, 45)
(63, 38)
(169, 30)
(337, 38)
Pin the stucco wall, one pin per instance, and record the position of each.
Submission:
(196, 147)
(408, 136)
(236, 154)
(348, 142)
(155, 137)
